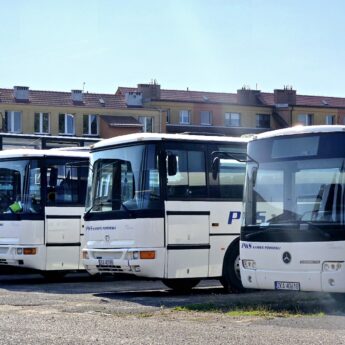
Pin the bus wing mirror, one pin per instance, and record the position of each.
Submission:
(53, 177)
(254, 175)
(172, 165)
(215, 167)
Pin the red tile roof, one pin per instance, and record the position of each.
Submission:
(265, 98)
(117, 100)
(307, 101)
(63, 99)
(188, 96)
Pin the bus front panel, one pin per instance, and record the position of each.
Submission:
(293, 236)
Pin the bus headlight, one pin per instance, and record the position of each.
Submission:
(142, 255)
(132, 255)
(332, 266)
(249, 264)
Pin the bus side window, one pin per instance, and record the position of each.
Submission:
(190, 178)
(231, 179)
(66, 184)
(52, 173)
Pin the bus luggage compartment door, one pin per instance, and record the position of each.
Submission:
(62, 241)
(188, 244)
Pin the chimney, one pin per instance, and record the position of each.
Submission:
(286, 96)
(150, 91)
(246, 96)
(21, 93)
(77, 95)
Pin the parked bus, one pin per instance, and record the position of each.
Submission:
(165, 206)
(293, 236)
(42, 201)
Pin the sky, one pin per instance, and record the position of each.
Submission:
(214, 45)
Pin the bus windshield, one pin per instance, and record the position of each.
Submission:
(126, 179)
(20, 187)
(300, 190)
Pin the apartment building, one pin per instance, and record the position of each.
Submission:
(44, 119)
(244, 112)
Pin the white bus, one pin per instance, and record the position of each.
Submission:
(293, 236)
(42, 202)
(167, 207)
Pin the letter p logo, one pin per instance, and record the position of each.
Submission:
(234, 215)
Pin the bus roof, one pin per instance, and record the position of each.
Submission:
(138, 137)
(26, 153)
(300, 130)
(72, 148)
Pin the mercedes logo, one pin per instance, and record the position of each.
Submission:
(286, 257)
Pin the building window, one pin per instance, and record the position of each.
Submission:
(41, 123)
(90, 124)
(305, 119)
(168, 116)
(232, 119)
(13, 121)
(206, 117)
(184, 117)
(263, 121)
(330, 119)
(147, 122)
(66, 124)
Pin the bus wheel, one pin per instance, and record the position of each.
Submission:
(181, 285)
(231, 279)
(53, 276)
(338, 297)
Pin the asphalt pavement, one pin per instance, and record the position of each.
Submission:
(82, 310)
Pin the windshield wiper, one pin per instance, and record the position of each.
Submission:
(285, 217)
(92, 207)
(287, 231)
(286, 227)
(128, 211)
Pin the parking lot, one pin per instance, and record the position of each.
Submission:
(81, 310)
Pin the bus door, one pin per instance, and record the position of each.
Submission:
(188, 244)
(66, 190)
(187, 220)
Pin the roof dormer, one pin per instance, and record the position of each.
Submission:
(21, 93)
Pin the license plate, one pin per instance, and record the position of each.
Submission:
(105, 262)
(287, 286)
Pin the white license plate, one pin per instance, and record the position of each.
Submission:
(105, 262)
(287, 286)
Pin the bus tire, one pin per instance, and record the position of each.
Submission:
(53, 276)
(338, 297)
(182, 284)
(231, 278)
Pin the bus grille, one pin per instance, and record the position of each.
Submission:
(109, 268)
(107, 255)
(3, 250)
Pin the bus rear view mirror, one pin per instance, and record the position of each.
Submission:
(254, 175)
(215, 167)
(53, 176)
(172, 165)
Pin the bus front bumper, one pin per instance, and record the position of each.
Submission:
(298, 280)
(145, 262)
(22, 256)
